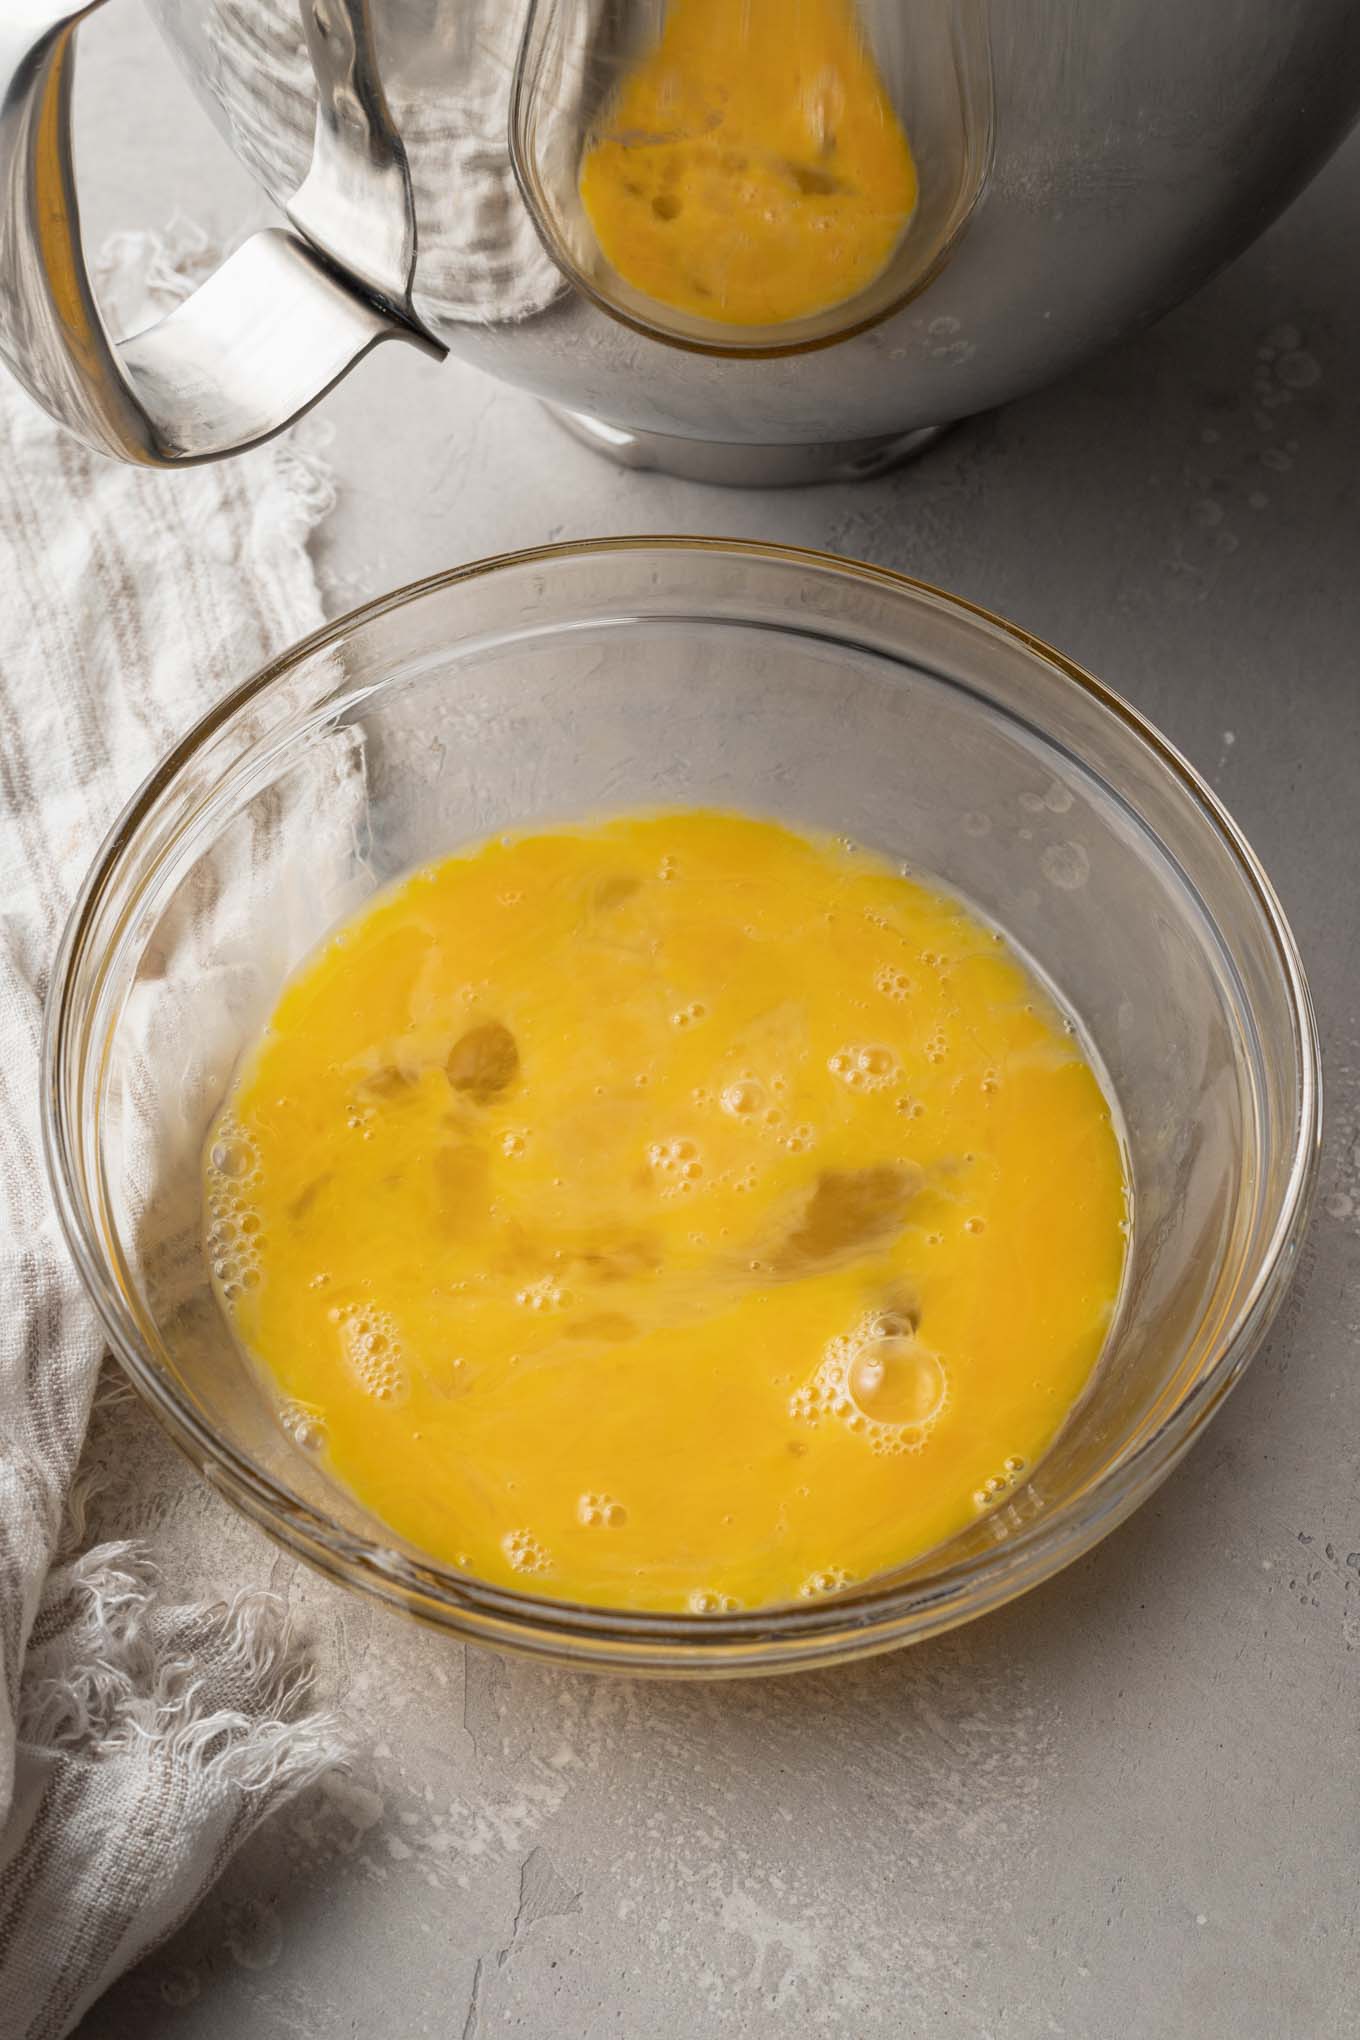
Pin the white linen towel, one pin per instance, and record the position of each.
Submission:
(140, 1742)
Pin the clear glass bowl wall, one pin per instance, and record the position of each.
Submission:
(645, 673)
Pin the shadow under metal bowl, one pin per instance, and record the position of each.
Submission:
(636, 673)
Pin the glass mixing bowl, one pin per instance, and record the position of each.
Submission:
(638, 673)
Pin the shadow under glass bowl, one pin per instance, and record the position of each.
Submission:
(637, 673)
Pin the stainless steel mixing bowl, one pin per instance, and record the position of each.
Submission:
(1083, 164)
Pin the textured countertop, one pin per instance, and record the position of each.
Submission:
(1128, 1804)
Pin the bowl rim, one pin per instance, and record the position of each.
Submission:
(782, 1637)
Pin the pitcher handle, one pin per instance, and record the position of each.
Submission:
(265, 336)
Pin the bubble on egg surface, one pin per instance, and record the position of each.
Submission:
(524, 1552)
(678, 1162)
(668, 1155)
(544, 1295)
(895, 1379)
(829, 1579)
(744, 1099)
(233, 1155)
(304, 1425)
(881, 1381)
(998, 1485)
(372, 1350)
(892, 983)
(708, 1601)
(235, 1231)
(863, 1066)
(601, 1512)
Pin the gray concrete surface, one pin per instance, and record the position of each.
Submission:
(1125, 1806)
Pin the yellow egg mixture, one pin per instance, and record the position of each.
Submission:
(673, 1212)
(751, 168)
